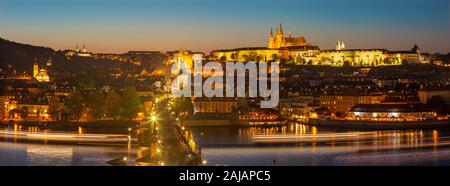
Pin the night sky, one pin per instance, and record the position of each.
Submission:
(204, 25)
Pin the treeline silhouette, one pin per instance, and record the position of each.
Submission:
(22, 56)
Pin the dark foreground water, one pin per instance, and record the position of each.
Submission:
(15, 151)
(37, 154)
(313, 146)
(295, 144)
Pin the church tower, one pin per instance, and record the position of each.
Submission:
(35, 69)
(280, 37)
(271, 39)
(340, 45)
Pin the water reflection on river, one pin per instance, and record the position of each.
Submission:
(72, 129)
(14, 152)
(237, 146)
(28, 154)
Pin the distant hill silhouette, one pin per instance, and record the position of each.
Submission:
(22, 56)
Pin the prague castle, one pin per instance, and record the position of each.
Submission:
(279, 40)
(297, 50)
(279, 47)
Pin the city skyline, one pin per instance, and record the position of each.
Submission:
(118, 26)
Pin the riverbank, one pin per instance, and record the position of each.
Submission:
(232, 123)
(65, 124)
(214, 123)
(374, 125)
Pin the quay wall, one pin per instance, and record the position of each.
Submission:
(381, 125)
(214, 123)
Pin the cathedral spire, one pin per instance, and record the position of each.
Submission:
(281, 28)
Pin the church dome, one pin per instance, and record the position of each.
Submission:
(42, 76)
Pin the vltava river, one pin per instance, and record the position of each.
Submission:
(16, 151)
(298, 144)
(295, 144)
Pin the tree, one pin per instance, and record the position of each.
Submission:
(112, 104)
(346, 64)
(95, 102)
(438, 104)
(14, 112)
(131, 103)
(246, 58)
(275, 57)
(85, 81)
(253, 56)
(233, 56)
(24, 112)
(290, 60)
(223, 59)
(259, 58)
(54, 107)
(75, 105)
(303, 61)
(183, 107)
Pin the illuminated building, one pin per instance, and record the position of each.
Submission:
(360, 57)
(214, 105)
(340, 45)
(294, 108)
(15, 76)
(40, 74)
(279, 47)
(391, 112)
(279, 40)
(298, 51)
(34, 110)
(343, 100)
(184, 56)
(262, 117)
(78, 52)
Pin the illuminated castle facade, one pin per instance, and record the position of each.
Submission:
(297, 50)
(279, 47)
(79, 52)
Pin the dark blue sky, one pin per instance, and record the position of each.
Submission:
(203, 25)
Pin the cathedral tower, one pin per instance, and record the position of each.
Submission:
(280, 37)
(271, 39)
